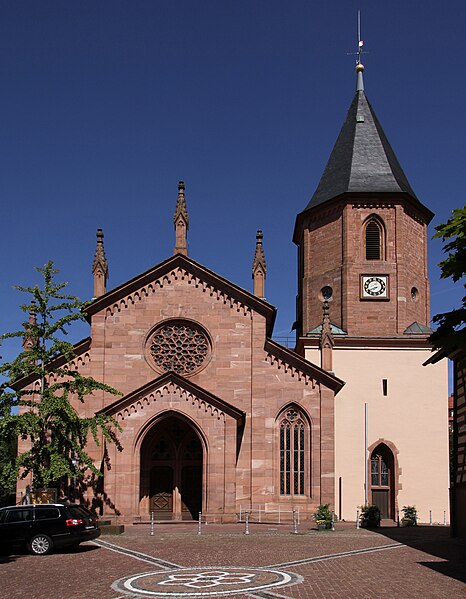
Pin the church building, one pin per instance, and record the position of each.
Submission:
(219, 418)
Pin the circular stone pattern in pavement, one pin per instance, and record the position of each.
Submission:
(204, 582)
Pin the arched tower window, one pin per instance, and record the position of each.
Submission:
(374, 240)
(293, 431)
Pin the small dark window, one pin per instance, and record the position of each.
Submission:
(379, 472)
(326, 293)
(21, 515)
(373, 241)
(45, 513)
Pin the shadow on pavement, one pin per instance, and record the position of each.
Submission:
(6, 557)
(436, 541)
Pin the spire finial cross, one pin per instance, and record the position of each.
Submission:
(360, 50)
(360, 41)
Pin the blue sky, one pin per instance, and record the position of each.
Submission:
(105, 105)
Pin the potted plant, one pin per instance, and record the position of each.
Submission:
(409, 515)
(323, 516)
(369, 516)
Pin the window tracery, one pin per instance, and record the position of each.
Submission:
(292, 431)
(179, 346)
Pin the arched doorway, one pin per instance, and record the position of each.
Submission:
(382, 480)
(171, 470)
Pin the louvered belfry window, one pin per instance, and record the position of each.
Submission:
(373, 241)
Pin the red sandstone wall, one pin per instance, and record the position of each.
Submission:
(334, 255)
(240, 373)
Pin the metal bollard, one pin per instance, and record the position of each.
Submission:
(357, 518)
(398, 518)
(444, 518)
(199, 523)
(295, 523)
(333, 520)
(152, 522)
(246, 519)
(430, 517)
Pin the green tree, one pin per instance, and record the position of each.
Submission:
(40, 384)
(451, 332)
(8, 448)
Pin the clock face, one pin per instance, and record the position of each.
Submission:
(374, 286)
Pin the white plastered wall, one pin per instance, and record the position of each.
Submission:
(413, 417)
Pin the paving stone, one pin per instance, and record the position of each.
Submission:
(348, 563)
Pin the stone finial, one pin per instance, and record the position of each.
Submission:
(181, 222)
(326, 339)
(259, 267)
(29, 339)
(100, 266)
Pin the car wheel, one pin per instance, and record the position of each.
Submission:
(40, 545)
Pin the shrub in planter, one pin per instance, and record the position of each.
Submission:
(323, 516)
(409, 515)
(369, 516)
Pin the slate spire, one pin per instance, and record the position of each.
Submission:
(362, 160)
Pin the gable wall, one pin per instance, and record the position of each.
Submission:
(240, 373)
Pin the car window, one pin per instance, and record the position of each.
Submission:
(44, 513)
(2, 515)
(79, 512)
(20, 515)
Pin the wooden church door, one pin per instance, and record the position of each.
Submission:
(382, 484)
(175, 481)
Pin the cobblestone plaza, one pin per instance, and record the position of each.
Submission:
(269, 563)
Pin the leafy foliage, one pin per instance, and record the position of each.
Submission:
(42, 383)
(323, 515)
(370, 515)
(8, 448)
(410, 513)
(451, 332)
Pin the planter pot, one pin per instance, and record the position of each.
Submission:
(324, 526)
(370, 523)
(408, 522)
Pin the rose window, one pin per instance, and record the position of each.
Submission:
(181, 347)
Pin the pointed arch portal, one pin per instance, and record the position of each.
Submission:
(171, 470)
(382, 480)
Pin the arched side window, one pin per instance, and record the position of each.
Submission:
(293, 431)
(374, 240)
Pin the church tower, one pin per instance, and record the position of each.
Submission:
(362, 238)
(362, 247)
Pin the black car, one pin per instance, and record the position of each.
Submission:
(42, 527)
